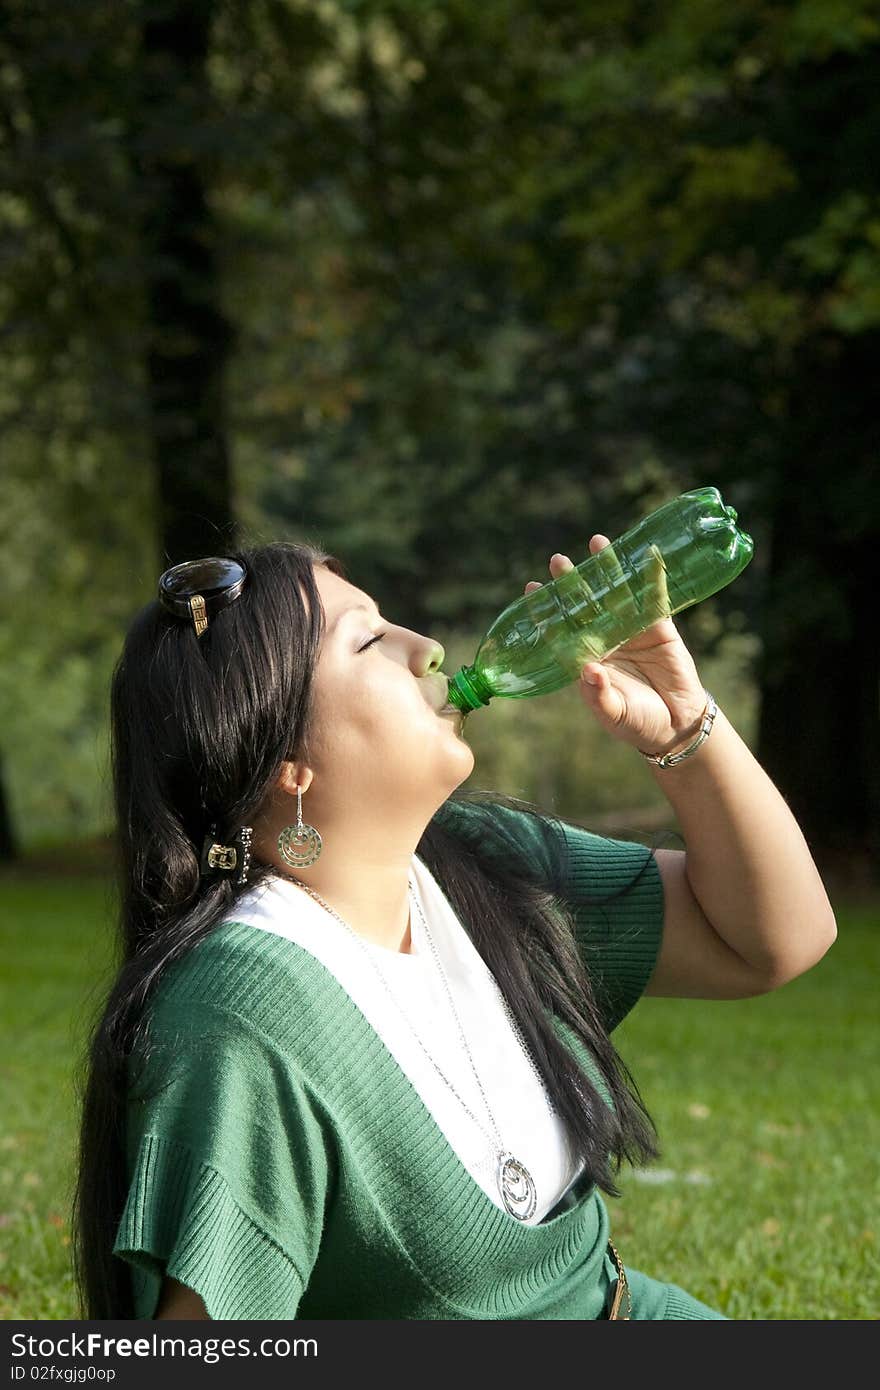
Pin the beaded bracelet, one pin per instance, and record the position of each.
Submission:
(707, 719)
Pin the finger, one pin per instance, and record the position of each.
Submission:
(560, 564)
(600, 692)
(532, 585)
(659, 593)
(598, 542)
(597, 683)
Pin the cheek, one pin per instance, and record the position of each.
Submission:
(378, 706)
(392, 717)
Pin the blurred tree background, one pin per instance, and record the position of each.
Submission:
(445, 287)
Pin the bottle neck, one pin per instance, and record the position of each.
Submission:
(467, 690)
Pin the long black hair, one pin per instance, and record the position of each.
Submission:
(199, 729)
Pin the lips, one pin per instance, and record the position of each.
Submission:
(440, 692)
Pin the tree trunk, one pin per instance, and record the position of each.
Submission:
(188, 336)
(819, 731)
(8, 842)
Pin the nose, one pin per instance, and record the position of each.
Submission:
(427, 657)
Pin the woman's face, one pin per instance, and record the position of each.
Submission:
(378, 738)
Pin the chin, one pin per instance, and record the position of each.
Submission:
(470, 763)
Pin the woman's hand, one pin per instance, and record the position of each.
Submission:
(646, 693)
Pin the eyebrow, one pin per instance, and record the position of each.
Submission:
(355, 608)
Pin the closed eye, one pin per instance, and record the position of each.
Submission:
(371, 641)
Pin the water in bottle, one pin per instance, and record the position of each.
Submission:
(678, 555)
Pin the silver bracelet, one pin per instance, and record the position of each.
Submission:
(707, 719)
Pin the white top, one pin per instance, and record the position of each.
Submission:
(527, 1127)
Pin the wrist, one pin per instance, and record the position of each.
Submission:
(686, 744)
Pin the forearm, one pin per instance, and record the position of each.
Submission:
(746, 860)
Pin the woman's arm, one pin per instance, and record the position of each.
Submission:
(178, 1302)
(745, 908)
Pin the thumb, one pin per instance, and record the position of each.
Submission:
(600, 695)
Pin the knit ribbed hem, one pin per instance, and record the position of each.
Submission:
(180, 1219)
(683, 1307)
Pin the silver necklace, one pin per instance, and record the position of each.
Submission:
(515, 1182)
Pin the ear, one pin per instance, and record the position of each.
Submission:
(293, 774)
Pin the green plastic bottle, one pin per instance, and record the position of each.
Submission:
(681, 553)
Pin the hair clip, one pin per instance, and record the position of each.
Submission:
(199, 589)
(226, 859)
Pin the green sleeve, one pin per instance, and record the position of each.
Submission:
(227, 1169)
(616, 895)
(612, 887)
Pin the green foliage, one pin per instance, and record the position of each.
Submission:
(75, 547)
(498, 275)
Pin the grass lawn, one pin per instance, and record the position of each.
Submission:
(764, 1202)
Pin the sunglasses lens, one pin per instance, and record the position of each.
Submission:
(206, 577)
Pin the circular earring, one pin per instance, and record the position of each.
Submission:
(299, 844)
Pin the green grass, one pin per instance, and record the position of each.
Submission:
(55, 941)
(767, 1112)
(770, 1130)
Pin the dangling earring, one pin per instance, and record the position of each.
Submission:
(299, 844)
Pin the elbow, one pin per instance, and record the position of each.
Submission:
(811, 949)
(825, 937)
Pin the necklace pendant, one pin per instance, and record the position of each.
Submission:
(517, 1187)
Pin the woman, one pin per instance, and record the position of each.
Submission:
(356, 1059)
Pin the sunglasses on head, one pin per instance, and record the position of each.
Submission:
(200, 589)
